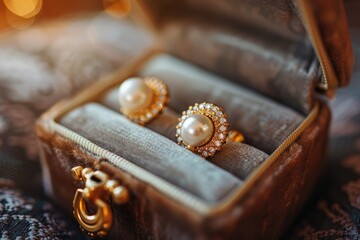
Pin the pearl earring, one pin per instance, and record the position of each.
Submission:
(141, 100)
(204, 129)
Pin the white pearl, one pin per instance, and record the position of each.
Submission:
(134, 95)
(197, 130)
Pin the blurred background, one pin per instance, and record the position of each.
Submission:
(20, 14)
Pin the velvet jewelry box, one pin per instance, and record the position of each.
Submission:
(268, 64)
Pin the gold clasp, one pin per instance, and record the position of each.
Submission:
(99, 190)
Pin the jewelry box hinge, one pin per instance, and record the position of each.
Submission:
(91, 204)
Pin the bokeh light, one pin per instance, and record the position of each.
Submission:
(117, 8)
(24, 8)
(17, 22)
(21, 14)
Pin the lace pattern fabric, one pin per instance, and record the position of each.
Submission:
(24, 217)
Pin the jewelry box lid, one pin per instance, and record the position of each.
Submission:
(322, 22)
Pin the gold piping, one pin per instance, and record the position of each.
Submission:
(329, 80)
(250, 181)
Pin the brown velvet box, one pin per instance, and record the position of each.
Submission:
(268, 64)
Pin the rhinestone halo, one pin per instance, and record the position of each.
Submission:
(221, 126)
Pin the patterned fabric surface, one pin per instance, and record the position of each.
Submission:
(332, 213)
(24, 217)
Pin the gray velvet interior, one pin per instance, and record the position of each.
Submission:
(261, 44)
(239, 159)
(265, 123)
(284, 70)
(279, 17)
(151, 151)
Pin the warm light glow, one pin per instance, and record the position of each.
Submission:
(17, 22)
(24, 8)
(117, 8)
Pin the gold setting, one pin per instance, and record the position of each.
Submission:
(221, 128)
(159, 102)
(235, 136)
(99, 190)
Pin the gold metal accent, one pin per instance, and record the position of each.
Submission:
(159, 102)
(235, 136)
(120, 195)
(76, 173)
(99, 190)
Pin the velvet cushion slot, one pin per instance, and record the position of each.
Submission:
(237, 158)
(151, 151)
(265, 123)
(283, 70)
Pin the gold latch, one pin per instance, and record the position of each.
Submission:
(97, 194)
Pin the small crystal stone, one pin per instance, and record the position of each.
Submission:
(205, 154)
(221, 136)
(212, 150)
(201, 106)
(223, 128)
(217, 143)
(207, 106)
(195, 108)
(222, 120)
